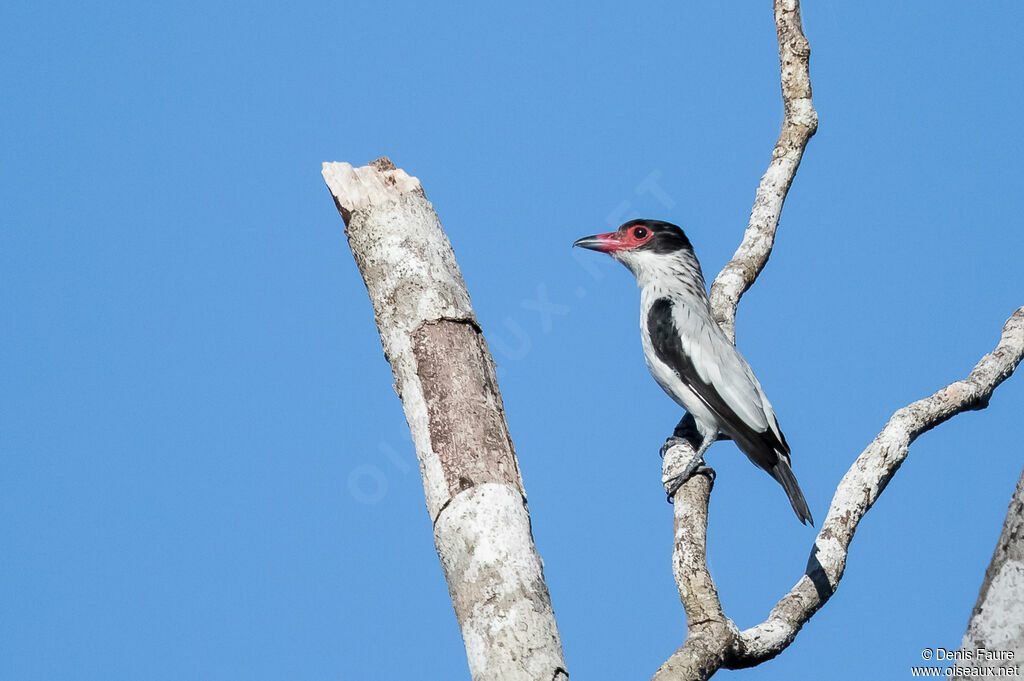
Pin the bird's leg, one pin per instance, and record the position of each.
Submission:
(687, 432)
(694, 466)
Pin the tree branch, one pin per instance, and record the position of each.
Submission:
(798, 126)
(713, 641)
(445, 377)
(707, 627)
(708, 637)
(720, 645)
(860, 488)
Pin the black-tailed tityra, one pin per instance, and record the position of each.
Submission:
(689, 355)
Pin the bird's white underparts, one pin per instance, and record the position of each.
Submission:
(691, 358)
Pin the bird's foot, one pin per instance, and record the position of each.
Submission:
(695, 467)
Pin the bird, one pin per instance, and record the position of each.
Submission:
(690, 356)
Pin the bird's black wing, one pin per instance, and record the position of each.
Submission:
(761, 444)
(719, 376)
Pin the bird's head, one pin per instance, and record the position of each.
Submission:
(642, 245)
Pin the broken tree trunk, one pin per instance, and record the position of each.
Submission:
(996, 629)
(444, 375)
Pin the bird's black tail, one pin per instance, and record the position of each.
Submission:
(784, 474)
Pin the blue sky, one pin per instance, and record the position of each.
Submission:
(205, 472)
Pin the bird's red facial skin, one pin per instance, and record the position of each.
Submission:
(624, 239)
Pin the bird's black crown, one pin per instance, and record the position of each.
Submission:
(665, 237)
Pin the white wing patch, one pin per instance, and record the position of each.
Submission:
(720, 365)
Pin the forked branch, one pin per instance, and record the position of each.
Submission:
(709, 631)
(713, 640)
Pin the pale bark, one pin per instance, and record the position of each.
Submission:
(800, 122)
(709, 631)
(997, 622)
(713, 640)
(444, 375)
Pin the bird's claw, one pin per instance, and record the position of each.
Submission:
(673, 484)
(671, 442)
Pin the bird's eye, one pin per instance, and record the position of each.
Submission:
(640, 233)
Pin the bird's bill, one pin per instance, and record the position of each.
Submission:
(605, 243)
